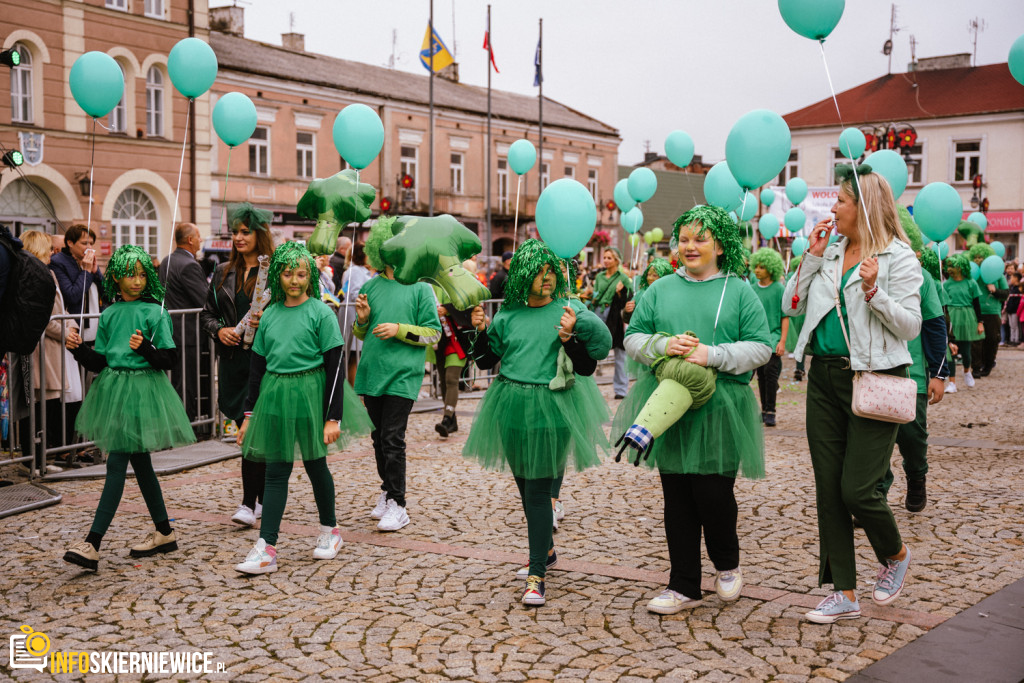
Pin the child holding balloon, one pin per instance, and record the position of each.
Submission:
(964, 312)
(768, 272)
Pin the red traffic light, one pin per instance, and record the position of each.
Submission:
(385, 204)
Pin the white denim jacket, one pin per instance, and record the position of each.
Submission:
(880, 329)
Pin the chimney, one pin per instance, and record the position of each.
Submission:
(228, 20)
(960, 61)
(294, 41)
(450, 72)
(650, 156)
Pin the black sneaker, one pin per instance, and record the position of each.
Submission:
(798, 375)
(917, 496)
(442, 427)
(769, 419)
(524, 572)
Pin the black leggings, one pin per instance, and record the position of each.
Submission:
(254, 475)
(964, 349)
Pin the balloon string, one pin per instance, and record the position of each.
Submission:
(177, 194)
(515, 229)
(345, 301)
(85, 275)
(224, 197)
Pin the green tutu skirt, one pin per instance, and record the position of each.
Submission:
(795, 324)
(963, 324)
(288, 419)
(724, 436)
(133, 411)
(533, 431)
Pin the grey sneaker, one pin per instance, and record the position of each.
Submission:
(891, 577)
(380, 507)
(833, 608)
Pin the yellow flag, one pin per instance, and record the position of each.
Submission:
(433, 43)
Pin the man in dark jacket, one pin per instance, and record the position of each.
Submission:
(499, 278)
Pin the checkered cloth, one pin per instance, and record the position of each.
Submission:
(638, 437)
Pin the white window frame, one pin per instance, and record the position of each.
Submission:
(118, 117)
(22, 110)
(154, 102)
(916, 160)
(965, 157)
(791, 169)
(142, 231)
(569, 171)
(259, 151)
(545, 175)
(305, 155)
(154, 9)
(457, 166)
(119, 5)
(592, 182)
(409, 165)
(502, 186)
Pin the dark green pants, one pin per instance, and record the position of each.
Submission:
(275, 495)
(113, 488)
(912, 438)
(850, 456)
(536, 496)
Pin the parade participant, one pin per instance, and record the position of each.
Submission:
(612, 289)
(402, 320)
(964, 311)
(767, 284)
(795, 323)
(1010, 307)
(296, 402)
(983, 351)
(706, 314)
(535, 415)
(861, 297)
(449, 359)
(227, 300)
(131, 408)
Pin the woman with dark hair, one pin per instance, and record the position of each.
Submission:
(228, 299)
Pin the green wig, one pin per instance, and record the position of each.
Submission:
(381, 232)
(794, 263)
(253, 218)
(526, 263)
(930, 262)
(981, 251)
(288, 256)
(910, 227)
(770, 260)
(122, 264)
(961, 262)
(723, 229)
(660, 266)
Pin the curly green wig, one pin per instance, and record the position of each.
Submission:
(770, 260)
(381, 232)
(910, 227)
(122, 264)
(960, 262)
(660, 266)
(794, 263)
(288, 256)
(526, 263)
(723, 229)
(980, 252)
(253, 218)
(930, 262)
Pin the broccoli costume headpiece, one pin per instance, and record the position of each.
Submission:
(910, 227)
(770, 260)
(723, 229)
(122, 264)
(981, 251)
(526, 263)
(660, 266)
(253, 218)
(961, 262)
(380, 232)
(288, 256)
(930, 262)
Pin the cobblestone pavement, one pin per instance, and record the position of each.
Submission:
(438, 601)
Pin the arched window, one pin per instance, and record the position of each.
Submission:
(119, 114)
(135, 221)
(21, 87)
(154, 103)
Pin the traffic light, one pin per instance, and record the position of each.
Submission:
(10, 57)
(13, 159)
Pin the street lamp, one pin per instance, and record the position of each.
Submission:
(84, 183)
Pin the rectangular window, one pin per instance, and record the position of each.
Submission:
(259, 151)
(914, 156)
(155, 9)
(966, 160)
(457, 169)
(570, 172)
(503, 186)
(154, 108)
(592, 182)
(791, 169)
(118, 5)
(408, 167)
(342, 164)
(545, 176)
(21, 91)
(305, 158)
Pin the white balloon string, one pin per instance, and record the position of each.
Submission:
(515, 228)
(224, 197)
(177, 194)
(344, 299)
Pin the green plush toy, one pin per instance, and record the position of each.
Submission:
(334, 203)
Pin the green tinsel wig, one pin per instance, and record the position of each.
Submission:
(288, 256)
(910, 227)
(980, 251)
(253, 218)
(930, 262)
(526, 263)
(380, 233)
(770, 260)
(122, 264)
(723, 229)
(660, 266)
(961, 262)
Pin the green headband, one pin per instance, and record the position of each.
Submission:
(845, 174)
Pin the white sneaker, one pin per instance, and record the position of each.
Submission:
(559, 510)
(258, 510)
(328, 543)
(969, 380)
(554, 520)
(728, 585)
(670, 602)
(951, 388)
(395, 517)
(245, 516)
(262, 559)
(380, 507)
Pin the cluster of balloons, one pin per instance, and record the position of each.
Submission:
(654, 236)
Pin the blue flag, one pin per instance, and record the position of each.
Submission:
(538, 77)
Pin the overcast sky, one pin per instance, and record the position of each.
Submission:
(647, 67)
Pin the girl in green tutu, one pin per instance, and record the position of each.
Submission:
(708, 315)
(535, 415)
(964, 312)
(131, 408)
(296, 405)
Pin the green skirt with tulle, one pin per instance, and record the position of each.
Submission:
(724, 436)
(963, 323)
(535, 432)
(134, 411)
(796, 322)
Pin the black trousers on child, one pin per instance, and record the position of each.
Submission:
(768, 383)
(390, 417)
(696, 503)
(983, 351)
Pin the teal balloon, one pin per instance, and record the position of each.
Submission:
(192, 66)
(621, 196)
(937, 210)
(632, 220)
(1016, 60)
(642, 184)
(941, 249)
(814, 19)
(721, 189)
(521, 156)
(795, 219)
(97, 83)
(358, 135)
(975, 271)
(748, 207)
(757, 148)
(768, 226)
(890, 166)
(799, 246)
(992, 269)
(679, 148)
(767, 197)
(234, 118)
(852, 143)
(999, 248)
(979, 219)
(566, 217)
(796, 190)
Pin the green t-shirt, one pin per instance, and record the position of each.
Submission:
(119, 322)
(674, 305)
(394, 367)
(962, 292)
(771, 298)
(295, 338)
(827, 339)
(943, 295)
(989, 304)
(604, 287)
(527, 341)
(931, 307)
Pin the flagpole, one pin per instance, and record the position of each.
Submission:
(487, 228)
(431, 176)
(540, 107)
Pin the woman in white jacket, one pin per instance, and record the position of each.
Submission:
(870, 277)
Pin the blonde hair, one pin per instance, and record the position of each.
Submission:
(878, 207)
(38, 244)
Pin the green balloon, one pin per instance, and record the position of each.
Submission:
(334, 203)
(97, 83)
(814, 19)
(991, 270)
